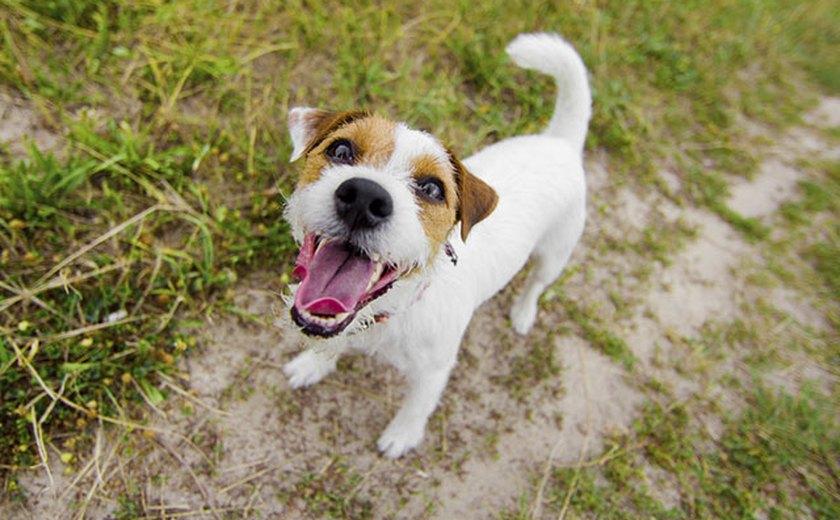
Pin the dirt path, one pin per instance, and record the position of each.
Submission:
(242, 442)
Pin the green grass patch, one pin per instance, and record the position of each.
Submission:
(778, 458)
(329, 493)
(538, 365)
(104, 252)
(710, 189)
(826, 256)
(598, 333)
(816, 216)
(826, 252)
(658, 242)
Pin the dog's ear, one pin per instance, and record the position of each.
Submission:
(476, 199)
(309, 126)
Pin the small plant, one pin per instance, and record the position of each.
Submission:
(37, 191)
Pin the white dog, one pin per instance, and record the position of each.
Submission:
(401, 242)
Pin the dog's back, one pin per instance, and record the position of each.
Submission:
(541, 186)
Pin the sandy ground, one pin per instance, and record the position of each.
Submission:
(21, 124)
(253, 447)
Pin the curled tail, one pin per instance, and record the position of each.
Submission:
(552, 55)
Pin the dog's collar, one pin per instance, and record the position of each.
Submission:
(379, 317)
(382, 316)
(370, 321)
(450, 252)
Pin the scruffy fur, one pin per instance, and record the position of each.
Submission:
(521, 198)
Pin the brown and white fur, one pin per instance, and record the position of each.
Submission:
(382, 212)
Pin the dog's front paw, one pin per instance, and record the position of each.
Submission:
(308, 368)
(523, 314)
(400, 437)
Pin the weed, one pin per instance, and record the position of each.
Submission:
(527, 371)
(598, 334)
(710, 189)
(35, 193)
(818, 210)
(330, 493)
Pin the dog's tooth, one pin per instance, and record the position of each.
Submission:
(323, 321)
(375, 276)
(375, 257)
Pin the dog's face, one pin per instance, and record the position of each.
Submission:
(374, 203)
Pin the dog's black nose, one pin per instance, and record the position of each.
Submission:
(362, 203)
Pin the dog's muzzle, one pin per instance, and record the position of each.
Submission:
(338, 276)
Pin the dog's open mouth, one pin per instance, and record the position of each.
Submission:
(336, 280)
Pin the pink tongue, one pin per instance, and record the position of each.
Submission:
(334, 280)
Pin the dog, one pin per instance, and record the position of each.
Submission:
(400, 241)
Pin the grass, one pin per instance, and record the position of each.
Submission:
(527, 371)
(775, 460)
(329, 493)
(168, 184)
(598, 334)
(825, 199)
(820, 203)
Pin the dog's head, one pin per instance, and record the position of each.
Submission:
(375, 203)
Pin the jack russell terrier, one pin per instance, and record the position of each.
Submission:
(400, 241)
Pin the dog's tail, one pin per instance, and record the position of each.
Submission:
(552, 55)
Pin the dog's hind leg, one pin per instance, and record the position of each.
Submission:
(548, 260)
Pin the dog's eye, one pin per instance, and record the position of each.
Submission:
(431, 189)
(341, 151)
